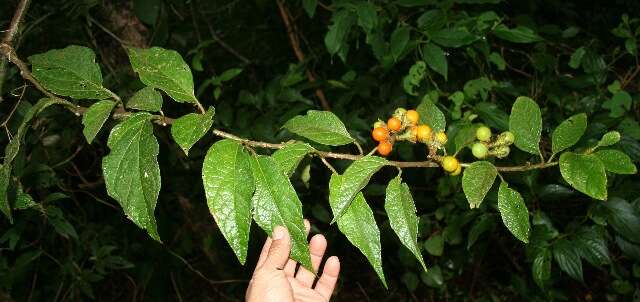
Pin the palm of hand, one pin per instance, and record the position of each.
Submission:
(276, 277)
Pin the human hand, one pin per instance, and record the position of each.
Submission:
(275, 277)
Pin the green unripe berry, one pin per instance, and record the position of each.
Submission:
(501, 151)
(379, 124)
(479, 150)
(506, 138)
(399, 113)
(483, 134)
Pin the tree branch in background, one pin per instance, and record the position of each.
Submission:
(15, 22)
(295, 44)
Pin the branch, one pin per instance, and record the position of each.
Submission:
(120, 113)
(295, 44)
(15, 22)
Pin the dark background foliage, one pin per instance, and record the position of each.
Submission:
(78, 245)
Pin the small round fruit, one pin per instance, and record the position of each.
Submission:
(380, 134)
(483, 134)
(424, 133)
(507, 137)
(450, 164)
(384, 148)
(457, 171)
(379, 123)
(412, 117)
(501, 151)
(441, 137)
(394, 124)
(479, 150)
(413, 133)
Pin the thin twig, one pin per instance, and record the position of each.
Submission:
(222, 43)
(15, 22)
(295, 44)
(329, 166)
(120, 113)
(13, 110)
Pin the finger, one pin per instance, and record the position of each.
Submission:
(264, 252)
(317, 248)
(279, 249)
(327, 281)
(290, 268)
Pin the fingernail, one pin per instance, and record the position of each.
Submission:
(278, 233)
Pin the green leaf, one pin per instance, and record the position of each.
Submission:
(228, 185)
(94, 118)
(433, 277)
(12, 149)
(619, 103)
(519, 34)
(477, 180)
(592, 246)
(310, 7)
(342, 190)
(616, 161)
(24, 201)
(190, 128)
(497, 60)
(576, 57)
(359, 226)
(585, 173)
(435, 245)
(336, 37)
(623, 218)
(401, 210)
(367, 15)
(61, 225)
(484, 223)
(515, 215)
(568, 259)
(165, 70)
(131, 172)
(609, 139)
(568, 133)
(452, 37)
(541, 267)
(398, 42)
(322, 127)
(431, 115)
(526, 124)
(5, 178)
(227, 75)
(147, 99)
(492, 115)
(275, 202)
(71, 71)
(434, 55)
(290, 156)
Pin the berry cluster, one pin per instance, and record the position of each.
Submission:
(405, 125)
(489, 145)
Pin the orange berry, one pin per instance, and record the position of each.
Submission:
(424, 133)
(394, 124)
(412, 116)
(380, 134)
(384, 148)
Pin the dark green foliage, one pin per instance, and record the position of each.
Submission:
(462, 63)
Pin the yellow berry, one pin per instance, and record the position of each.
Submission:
(450, 164)
(457, 171)
(441, 138)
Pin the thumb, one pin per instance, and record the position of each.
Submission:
(279, 250)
